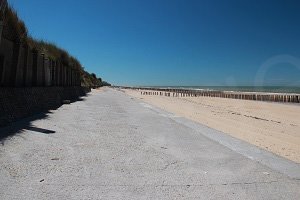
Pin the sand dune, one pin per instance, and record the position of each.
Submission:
(272, 126)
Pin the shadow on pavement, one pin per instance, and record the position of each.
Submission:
(17, 127)
(39, 130)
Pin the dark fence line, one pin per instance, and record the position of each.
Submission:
(256, 96)
(21, 66)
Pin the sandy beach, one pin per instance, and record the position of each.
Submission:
(274, 127)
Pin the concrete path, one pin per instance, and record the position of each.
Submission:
(112, 146)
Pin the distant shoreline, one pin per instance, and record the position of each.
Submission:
(235, 89)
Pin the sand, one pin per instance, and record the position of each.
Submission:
(274, 127)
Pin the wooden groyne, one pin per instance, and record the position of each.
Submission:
(256, 96)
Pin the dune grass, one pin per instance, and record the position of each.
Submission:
(16, 31)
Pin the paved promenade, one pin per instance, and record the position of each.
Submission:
(112, 146)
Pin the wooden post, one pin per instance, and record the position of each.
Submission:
(14, 64)
(34, 67)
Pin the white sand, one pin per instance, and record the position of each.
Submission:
(271, 126)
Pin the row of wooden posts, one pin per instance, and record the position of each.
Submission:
(257, 96)
(21, 66)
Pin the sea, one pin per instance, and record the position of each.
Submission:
(267, 89)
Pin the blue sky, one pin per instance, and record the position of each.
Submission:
(174, 42)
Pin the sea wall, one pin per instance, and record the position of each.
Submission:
(17, 103)
(256, 96)
(21, 66)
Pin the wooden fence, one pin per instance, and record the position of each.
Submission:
(256, 96)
